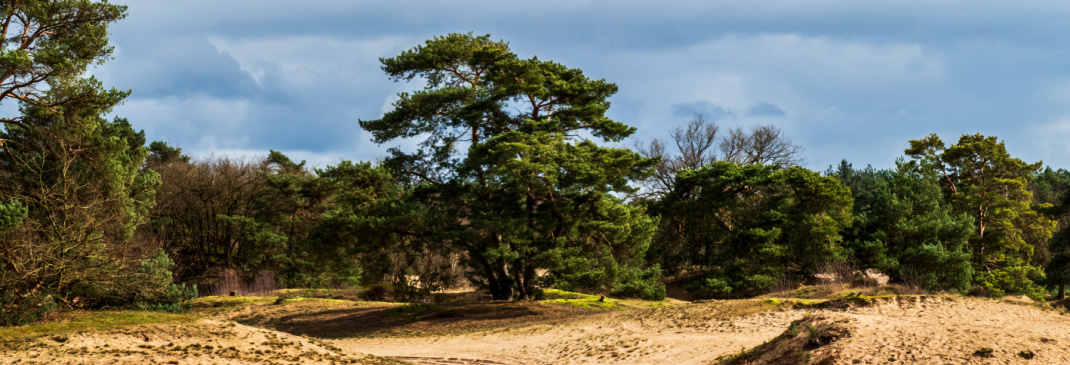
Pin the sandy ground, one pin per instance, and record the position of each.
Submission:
(688, 334)
(906, 330)
(902, 330)
(684, 334)
(938, 330)
(205, 341)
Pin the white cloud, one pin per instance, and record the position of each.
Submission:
(212, 122)
(305, 62)
(829, 86)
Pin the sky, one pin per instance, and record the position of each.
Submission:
(852, 80)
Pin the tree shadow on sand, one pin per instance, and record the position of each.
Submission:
(411, 320)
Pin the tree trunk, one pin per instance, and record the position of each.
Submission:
(502, 289)
(1062, 292)
(493, 282)
(505, 282)
(499, 282)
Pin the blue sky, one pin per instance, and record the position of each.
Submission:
(848, 80)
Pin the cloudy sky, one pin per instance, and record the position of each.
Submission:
(845, 79)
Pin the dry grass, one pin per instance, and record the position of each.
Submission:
(834, 291)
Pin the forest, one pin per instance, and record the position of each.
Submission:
(519, 183)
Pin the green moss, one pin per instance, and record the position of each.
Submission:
(222, 301)
(321, 300)
(552, 294)
(580, 299)
(587, 303)
(556, 296)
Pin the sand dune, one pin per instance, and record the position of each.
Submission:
(894, 330)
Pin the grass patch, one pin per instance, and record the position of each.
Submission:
(836, 291)
(580, 300)
(848, 300)
(86, 321)
(649, 304)
(221, 301)
(351, 294)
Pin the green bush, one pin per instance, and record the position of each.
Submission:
(27, 306)
(760, 282)
(152, 288)
(709, 288)
(936, 268)
(1016, 278)
(176, 299)
(644, 284)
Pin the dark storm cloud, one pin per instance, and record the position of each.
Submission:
(844, 78)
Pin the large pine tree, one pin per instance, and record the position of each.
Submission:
(507, 169)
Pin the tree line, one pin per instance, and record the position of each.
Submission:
(519, 182)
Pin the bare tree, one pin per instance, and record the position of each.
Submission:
(662, 180)
(763, 144)
(695, 141)
(191, 200)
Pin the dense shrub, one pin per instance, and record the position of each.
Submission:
(709, 288)
(644, 284)
(935, 268)
(25, 306)
(1015, 278)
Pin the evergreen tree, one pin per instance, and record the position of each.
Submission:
(903, 227)
(72, 187)
(52, 42)
(313, 226)
(1050, 195)
(982, 180)
(79, 191)
(504, 171)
